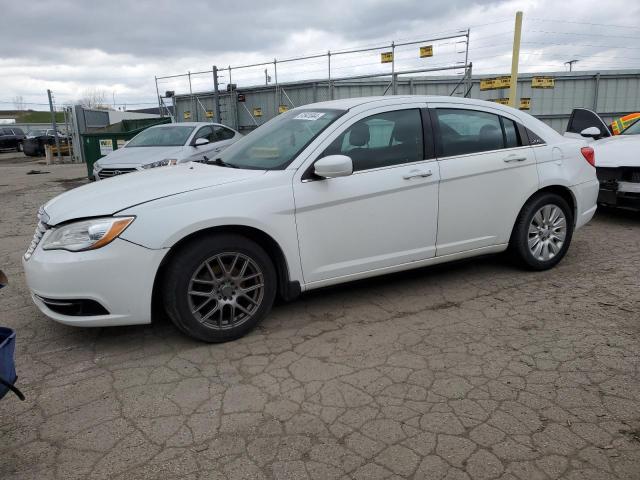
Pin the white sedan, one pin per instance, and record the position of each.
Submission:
(618, 157)
(166, 145)
(323, 194)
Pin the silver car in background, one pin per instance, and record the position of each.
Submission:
(166, 145)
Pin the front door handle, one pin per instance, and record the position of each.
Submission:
(514, 158)
(417, 174)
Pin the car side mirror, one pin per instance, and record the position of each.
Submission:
(591, 132)
(333, 166)
(201, 141)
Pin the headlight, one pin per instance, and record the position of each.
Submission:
(87, 234)
(167, 162)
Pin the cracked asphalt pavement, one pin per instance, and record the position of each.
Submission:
(473, 370)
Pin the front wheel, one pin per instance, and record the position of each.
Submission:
(218, 287)
(543, 232)
(19, 147)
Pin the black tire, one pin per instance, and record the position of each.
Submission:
(519, 244)
(19, 147)
(190, 261)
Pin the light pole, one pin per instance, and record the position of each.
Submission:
(570, 63)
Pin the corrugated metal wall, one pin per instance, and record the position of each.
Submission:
(610, 93)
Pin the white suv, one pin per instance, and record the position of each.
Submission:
(320, 195)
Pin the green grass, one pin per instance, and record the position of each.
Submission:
(31, 116)
(38, 117)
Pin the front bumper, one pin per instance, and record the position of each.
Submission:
(619, 187)
(119, 277)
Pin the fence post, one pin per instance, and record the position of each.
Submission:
(394, 89)
(216, 94)
(159, 99)
(330, 86)
(193, 105)
(275, 74)
(595, 92)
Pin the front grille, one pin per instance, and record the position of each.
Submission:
(635, 176)
(41, 228)
(74, 307)
(112, 172)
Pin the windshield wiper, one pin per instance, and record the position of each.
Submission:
(219, 162)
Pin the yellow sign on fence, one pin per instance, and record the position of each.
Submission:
(525, 104)
(187, 115)
(209, 113)
(283, 108)
(386, 57)
(257, 112)
(495, 83)
(501, 101)
(426, 51)
(487, 84)
(543, 82)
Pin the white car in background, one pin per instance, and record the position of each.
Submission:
(166, 145)
(320, 195)
(617, 157)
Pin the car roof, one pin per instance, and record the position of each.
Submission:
(365, 103)
(186, 124)
(349, 103)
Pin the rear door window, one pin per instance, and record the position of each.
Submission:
(468, 131)
(222, 133)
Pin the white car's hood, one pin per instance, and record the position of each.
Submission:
(140, 155)
(617, 151)
(107, 197)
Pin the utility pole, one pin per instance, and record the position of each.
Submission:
(515, 56)
(54, 125)
(570, 63)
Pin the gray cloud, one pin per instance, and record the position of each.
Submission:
(164, 28)
(118, 46)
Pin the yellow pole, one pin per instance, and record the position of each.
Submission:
(514, 60)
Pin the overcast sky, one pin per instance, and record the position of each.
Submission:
(119, 46)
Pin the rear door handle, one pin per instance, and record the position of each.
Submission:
(514, 158)
(417, 174)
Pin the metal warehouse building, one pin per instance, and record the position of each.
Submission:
(611, 93)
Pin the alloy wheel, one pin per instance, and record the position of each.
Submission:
(547, 232)
(226, 290)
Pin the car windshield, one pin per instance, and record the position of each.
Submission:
(169, 136)
(36, 133)
(274, 145)
(633, 129)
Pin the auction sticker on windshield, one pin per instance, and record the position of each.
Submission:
(308, 116)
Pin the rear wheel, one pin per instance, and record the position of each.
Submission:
(217, 288)
(543, 232)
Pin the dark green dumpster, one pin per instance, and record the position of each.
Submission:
(98, 142)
